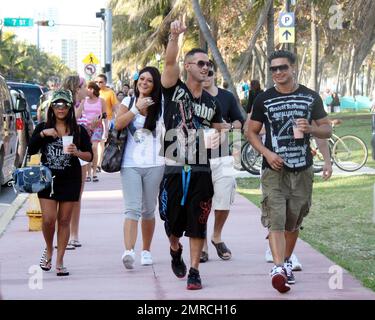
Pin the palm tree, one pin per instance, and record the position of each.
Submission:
(212, 44)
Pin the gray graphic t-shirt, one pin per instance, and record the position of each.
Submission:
(278, 112)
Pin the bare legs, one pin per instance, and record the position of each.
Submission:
(131, 233)
(220, 219)
(60, 211)
(76, 212)
(91, 167)
(282, 245)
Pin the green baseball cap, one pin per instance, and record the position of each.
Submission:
(64, 95)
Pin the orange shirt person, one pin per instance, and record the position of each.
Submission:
(108, 95)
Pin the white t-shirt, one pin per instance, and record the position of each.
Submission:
(142, 147)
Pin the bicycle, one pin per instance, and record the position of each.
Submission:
(348, 152)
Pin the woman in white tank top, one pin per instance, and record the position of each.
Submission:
(142, 168)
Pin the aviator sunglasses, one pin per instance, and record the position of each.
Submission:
(202, 63)
(282, 68)
(61, 105)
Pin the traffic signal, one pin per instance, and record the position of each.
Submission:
(46, 23)
(101, 14)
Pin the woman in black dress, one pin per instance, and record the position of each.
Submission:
(57, 202)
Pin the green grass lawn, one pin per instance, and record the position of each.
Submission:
(340, 222)
(358, 124)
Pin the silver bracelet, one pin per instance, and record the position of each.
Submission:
(135, 110)
(172, 37)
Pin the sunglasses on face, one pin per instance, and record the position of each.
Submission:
(61, 105)
(283, 67)
(202, 63)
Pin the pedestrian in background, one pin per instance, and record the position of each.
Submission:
(77, 85)
(142, 167)
(222, 167)
(94, 108)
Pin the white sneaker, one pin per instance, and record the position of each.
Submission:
(146, 258)
(297, 266)
(268, 255)
(128, 259)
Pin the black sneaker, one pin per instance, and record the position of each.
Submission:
(288, 266)
(194, 280)
(177, 263)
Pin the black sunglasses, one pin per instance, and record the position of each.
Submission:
(202, 63)
(282, 68)
(61, 105)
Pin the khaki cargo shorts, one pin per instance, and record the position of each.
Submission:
(286, 198)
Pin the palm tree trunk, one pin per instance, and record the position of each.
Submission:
(215, 51)
(244, 62)
(270, 42)
(338, 74)
(253, 65)
(302, 64)
(349, 80)
(368, 75)
(315, 50)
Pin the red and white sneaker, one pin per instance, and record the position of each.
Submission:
(279, 279)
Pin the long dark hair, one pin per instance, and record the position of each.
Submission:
(71, 125)
(153, 111)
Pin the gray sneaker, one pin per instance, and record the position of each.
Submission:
(128, 259)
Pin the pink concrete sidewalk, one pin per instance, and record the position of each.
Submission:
(97, 271)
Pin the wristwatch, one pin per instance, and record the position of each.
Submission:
(232, 126)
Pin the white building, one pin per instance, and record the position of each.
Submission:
(69, 53)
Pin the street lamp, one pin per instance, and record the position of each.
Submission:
(158, 58)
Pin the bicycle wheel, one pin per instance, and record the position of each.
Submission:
(251, 159)
(237, 163)
(349, 153)
(318, 159)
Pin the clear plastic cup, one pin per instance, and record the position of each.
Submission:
(298, 134)
(67, 141)
(207, 134)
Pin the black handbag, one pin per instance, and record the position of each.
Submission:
(114, 150)
(32, 179)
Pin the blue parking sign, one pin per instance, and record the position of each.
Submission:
(287, 20)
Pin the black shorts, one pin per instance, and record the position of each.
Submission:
(190, 214)
(63, 191)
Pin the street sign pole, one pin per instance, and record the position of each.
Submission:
(287, 9)
(108, 47)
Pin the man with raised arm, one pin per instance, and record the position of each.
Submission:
(186, 189)
(287, 111)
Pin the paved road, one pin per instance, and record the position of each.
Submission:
(7, 196)
(97, 271)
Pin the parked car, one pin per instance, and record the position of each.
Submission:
(8, 131)
(24, 125)
(32, 93)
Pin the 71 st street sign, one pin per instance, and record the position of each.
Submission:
(18, 22)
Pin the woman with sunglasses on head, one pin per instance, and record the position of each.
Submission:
(142, 167)
(77, 85)
(94, 108)
(57, 201)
